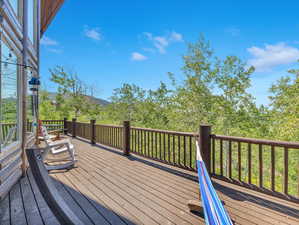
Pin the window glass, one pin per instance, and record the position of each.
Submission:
(31, 21)
(9, 96)
(14, 4)
(29, 104)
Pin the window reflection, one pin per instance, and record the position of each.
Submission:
(29, 104)
(14, 4)
(9, 96)
(31, 22)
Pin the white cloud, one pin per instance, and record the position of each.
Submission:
(93, 33)
(48, 41)
(264, 59)
(136, 56)
(150, 50)
(162, 42)
(55, 50)
(174, 36)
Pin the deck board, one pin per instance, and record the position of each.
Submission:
(46, 214)
(109, 215)
(107, 188)
(5, 211)
(17, 212)
(30, 207)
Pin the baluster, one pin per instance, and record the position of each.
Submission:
(173, 149)
(230, 159)
(190, 151)
(148, 144)
(221, 157)
(184, 141)
(160, 145)
(164, 147)
(179, 149)
(214, 155)
(152, 143)
(156, 143)
(168, 152)
(272, 168)
(239, 161)
(261, 165)
(249, 163)
(286, 170)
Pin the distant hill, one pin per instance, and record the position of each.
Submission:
(92, 99)
(99, 101)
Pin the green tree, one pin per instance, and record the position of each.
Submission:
(47, 108)
(126, 101)
(71, 92)
(285, 107)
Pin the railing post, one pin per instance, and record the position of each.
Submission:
(74, 127)
(64, 126)
(126, 138)
(205, 145)
(92, 132)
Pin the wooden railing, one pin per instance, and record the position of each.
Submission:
(270, 166)
(5, 127)
(176, 148)
(83, 130)
(264, 165)
(53, 124)
(109, 135)
(50, 124)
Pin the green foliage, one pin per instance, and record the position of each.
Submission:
(285, 107)
(214, 91)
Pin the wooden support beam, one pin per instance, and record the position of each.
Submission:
(126, 137)
(74, 127)
(92, 132)
(65, 126)
(205, 145)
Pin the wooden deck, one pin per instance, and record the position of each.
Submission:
(108, 188)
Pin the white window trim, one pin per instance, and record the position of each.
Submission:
(33, 42)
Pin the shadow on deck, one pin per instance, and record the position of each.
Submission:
(108, 188)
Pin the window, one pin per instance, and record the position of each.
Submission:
(14, 4)
(31, 20)
(9, 96)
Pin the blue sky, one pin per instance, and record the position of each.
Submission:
(111, 42)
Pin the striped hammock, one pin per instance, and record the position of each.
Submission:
(215, 213)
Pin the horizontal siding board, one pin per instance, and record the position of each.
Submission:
(9, 169)
(11, 157)
(5, 152)
(7, 185)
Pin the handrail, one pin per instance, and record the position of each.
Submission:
(258, 141)
(109, 125)
(167, 131)
(48, 190)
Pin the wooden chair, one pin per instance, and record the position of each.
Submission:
(58, 147)
(56, 203)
